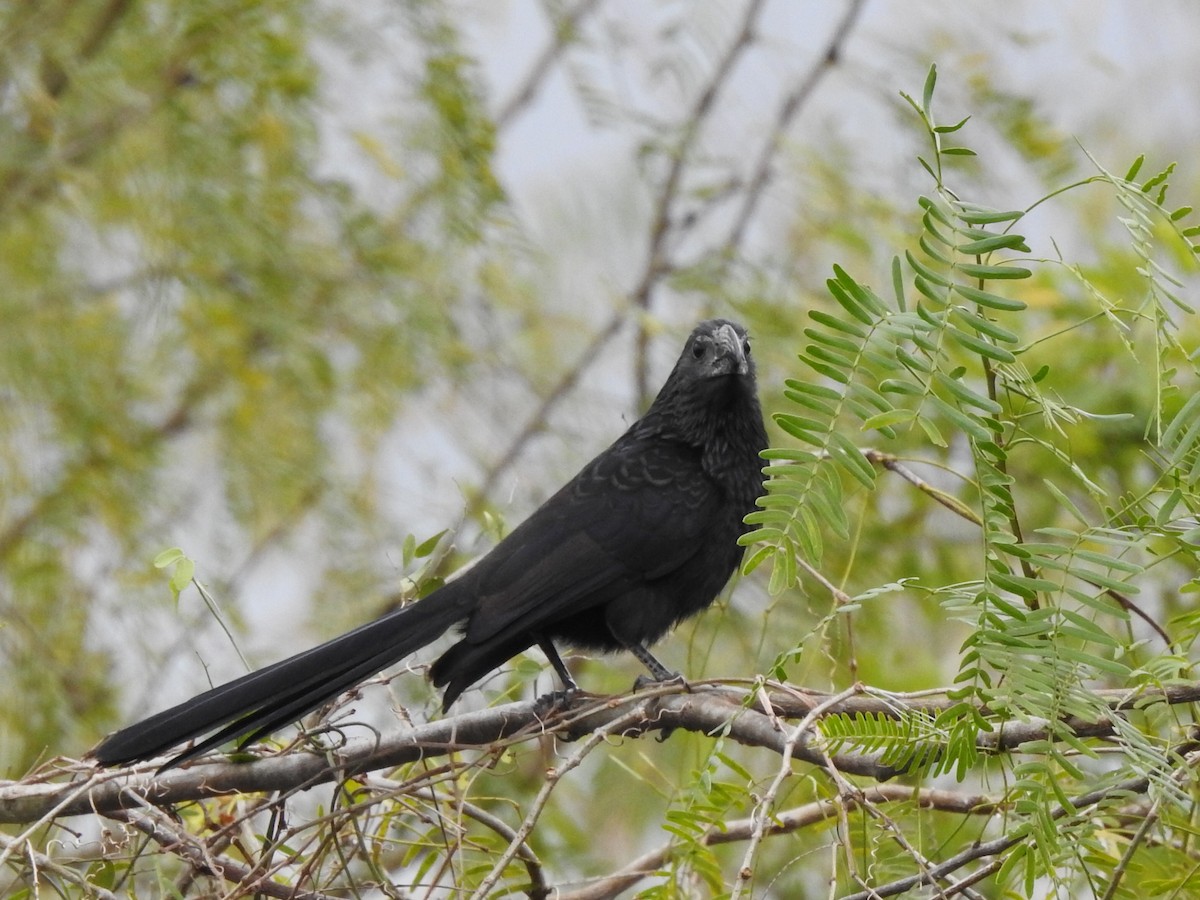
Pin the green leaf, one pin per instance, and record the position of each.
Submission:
(863, 295)
(790, 454)
(829, 340)
(1066, 504)
(849, 303)
(1135, 168)
(935, 209)
(887, 419)
(925, 272)
(808, 401)
(913, 362)
(1158, 179)
(815, 390)
(993, 242)
(931, 251)
(853, 460)
(966, 395)
(980, 346)
(1184, 419)
(757, 557)
(836, 324)
(985, 273)
(809, 430)
(1023, 585)
(987, 298)
(168, 557)
(950, 129)
(966, 423)
(937, 296)
(983, 215)
(427, 546)
(932, 432)
(831, 357)
(898, 282)
(985, 326)
(927, 92)
(1109, 562)
(958, 151)
(185, 569)
(895, 386)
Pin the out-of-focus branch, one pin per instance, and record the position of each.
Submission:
(792, 103)
(564, 31)
(537, 421)
(657, 265)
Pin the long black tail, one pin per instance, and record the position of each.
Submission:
(260, 702)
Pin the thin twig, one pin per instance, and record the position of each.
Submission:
(563, 32)
(788, 110)
(656, 263)
(533, 866)
(616, 726)
(996, 847)
(762, 809)
(785, 822)
(41, 863)
(162, 831)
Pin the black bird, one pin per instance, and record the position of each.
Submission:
(643, 537)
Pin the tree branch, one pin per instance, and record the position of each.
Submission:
(706, 708)
(785, 822)
(788, 110)
(564, 31)
(159, 828)
(656, 264)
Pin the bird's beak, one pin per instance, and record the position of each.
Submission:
(730, 358)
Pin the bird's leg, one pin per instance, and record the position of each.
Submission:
(658, 672)
(570, 688)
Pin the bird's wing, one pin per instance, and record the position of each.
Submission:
(635, 514)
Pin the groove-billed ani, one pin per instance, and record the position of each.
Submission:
(643, 537)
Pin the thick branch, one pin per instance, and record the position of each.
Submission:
(707, 709)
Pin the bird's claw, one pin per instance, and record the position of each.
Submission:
(642, 682)
(555, 701)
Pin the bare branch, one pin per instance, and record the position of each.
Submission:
(788, 110)
(176, 840)
(703, 707)
(616, 726)
(40, 862)
(784, 822)
(664, 709)
(564, 30)
(656, 263)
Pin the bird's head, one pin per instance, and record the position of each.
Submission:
(715, 349)
(713, 378)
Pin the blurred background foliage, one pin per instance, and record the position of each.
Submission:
(286, 283)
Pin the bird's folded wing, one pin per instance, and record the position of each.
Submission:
(631, 517)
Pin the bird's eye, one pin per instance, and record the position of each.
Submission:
(746, 347)
(697, 349)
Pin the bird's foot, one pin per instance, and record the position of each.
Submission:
(555, 701)
(642, 682)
